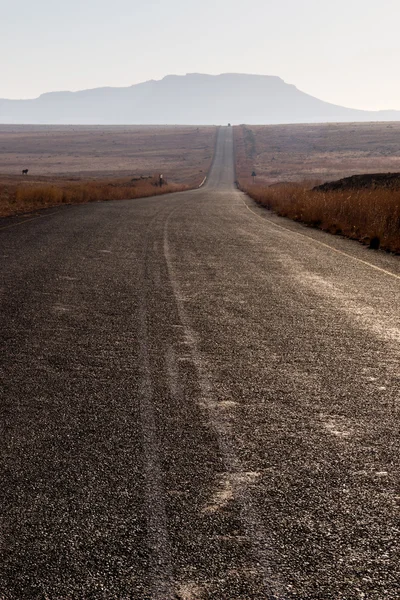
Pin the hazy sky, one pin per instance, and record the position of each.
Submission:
(342, 51)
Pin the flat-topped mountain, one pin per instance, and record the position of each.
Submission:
(188, 99)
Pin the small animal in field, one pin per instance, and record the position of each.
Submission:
(25, 171)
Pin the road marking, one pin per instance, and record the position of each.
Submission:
(27, 220)
(257, 533)
(364, 262)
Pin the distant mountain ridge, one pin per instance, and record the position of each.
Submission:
(192, 99)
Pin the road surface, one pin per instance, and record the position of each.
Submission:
(200, 401)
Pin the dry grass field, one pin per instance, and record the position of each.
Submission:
(319, 152)
(70, 164)
(290, 160)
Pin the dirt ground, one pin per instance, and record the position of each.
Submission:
(369, 181)
(317, 152)
(181, 154)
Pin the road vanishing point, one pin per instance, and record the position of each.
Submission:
(200, 400)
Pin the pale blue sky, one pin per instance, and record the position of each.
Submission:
(342, 51)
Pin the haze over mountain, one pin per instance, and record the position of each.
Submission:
(189, 99)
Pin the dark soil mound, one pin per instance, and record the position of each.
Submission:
(362, 182)
(280, 184)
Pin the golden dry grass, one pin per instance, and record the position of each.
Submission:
(364, 215)
(24, 197)
(290, 160)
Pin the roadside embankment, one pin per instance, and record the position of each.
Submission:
(288, 162)
(370, 216)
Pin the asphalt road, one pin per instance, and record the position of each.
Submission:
(200, 401)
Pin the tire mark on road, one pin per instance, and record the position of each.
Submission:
(160, 568)
(261, 541)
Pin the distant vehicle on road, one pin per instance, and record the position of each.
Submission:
(229, 125)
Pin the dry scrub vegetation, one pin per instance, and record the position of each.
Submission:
(20, 198)
(371, 216)
(75, 164)
(285, 184)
